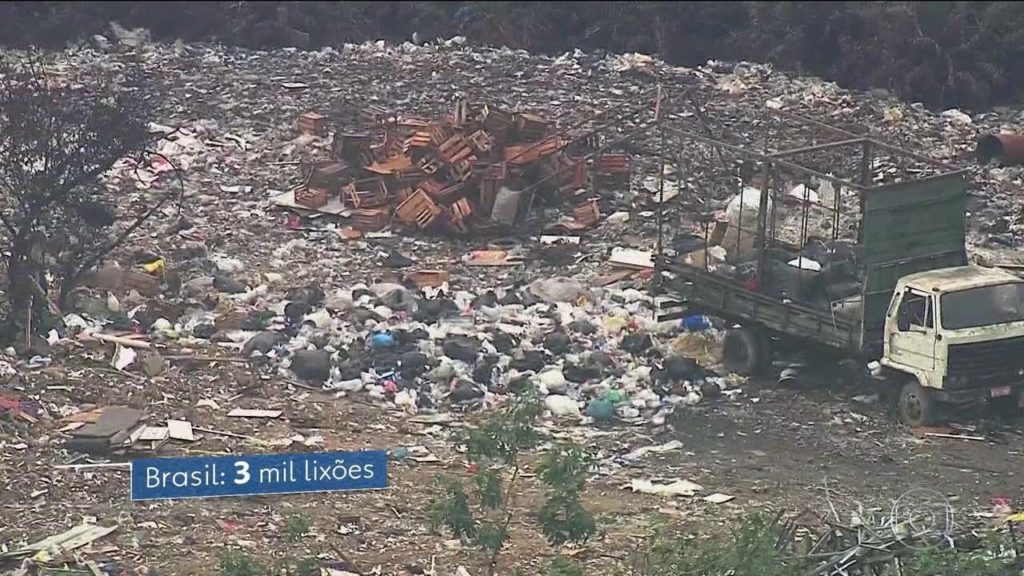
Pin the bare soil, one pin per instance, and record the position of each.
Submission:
(770, 448)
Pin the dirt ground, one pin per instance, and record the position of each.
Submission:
(770, 448)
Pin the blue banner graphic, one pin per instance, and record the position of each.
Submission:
(219, 476)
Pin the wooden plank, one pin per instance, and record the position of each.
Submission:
(254, 413)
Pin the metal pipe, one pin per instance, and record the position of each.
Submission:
(661, 196)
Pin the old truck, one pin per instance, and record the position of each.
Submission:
(944, 332)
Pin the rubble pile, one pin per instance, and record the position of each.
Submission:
(475, 169)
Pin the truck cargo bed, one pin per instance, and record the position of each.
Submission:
(733, 302)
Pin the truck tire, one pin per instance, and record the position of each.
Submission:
(917, 405)
(744, 351)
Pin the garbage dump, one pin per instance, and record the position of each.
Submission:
(229, 327)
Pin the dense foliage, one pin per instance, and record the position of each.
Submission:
(944, 54)
(58, 218)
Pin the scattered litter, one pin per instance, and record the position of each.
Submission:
(631, 258)
(208, 403)
(676, 488)
(418, 454)
(123, 357)
(492, 258)
(55, 546)
(234, 323)
(718, 498)
(659, 449)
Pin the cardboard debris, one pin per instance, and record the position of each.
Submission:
(630, 258)
(148, 438)
(85, 417)
(613, 277)
(153, 434)
(180, 430)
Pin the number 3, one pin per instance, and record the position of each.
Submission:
(243, 472)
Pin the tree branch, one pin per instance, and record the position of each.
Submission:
(509, 504)
(92, 261)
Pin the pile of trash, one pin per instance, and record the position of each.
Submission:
(593, 352)
(477, 168)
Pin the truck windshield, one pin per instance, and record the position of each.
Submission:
(985, 306)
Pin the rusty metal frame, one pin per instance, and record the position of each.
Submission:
(771, 161)
(785, 115)
(778, 158)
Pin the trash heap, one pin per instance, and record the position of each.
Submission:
(477, 169)
(591, 352)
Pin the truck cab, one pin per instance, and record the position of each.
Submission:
(958, 335)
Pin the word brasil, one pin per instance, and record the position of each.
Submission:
(209, 477)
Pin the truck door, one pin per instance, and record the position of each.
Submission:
(911, 330)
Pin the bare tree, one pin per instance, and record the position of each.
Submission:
(61, 212)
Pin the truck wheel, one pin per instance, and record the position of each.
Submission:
(917, 406)
(743, 351)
